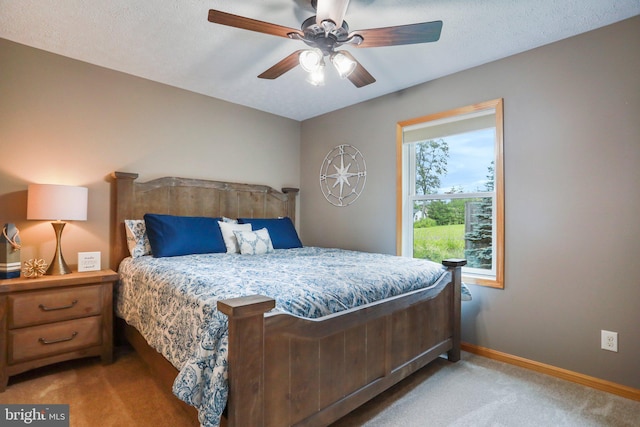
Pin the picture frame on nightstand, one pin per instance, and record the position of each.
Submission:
(88, 261)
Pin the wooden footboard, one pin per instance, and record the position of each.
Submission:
(286, 371)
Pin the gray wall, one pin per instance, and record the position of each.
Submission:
(67, 122)
(572, 176)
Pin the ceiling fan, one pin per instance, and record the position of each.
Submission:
(324, 33)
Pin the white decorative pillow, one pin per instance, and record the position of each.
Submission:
(230, 241)
(137, 240)
(254, 242)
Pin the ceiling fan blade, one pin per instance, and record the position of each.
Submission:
(288, 63)
(331, 9)
(224, 18)
(360, 76)
(424, 32)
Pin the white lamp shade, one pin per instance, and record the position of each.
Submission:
(57, 202)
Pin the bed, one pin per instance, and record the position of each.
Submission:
(308, 368)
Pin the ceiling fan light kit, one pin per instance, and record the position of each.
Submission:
(325, 32)
(312, 61)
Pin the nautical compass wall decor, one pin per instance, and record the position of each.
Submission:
(343, 175)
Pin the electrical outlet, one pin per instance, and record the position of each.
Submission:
(609, 340)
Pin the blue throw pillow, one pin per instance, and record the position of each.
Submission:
(171, 235)
(281, 230)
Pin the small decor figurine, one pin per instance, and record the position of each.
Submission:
(9, 252)
(34, 268)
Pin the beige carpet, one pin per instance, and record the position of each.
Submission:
(473, 392)
(480, 392)
(121, 394)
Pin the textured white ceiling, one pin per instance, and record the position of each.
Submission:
(172, 42)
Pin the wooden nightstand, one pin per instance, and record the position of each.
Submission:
(55, 318)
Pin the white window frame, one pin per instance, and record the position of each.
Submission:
(406, 182)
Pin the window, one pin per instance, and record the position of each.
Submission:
(451, 190)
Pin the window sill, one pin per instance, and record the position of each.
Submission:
(482, 281)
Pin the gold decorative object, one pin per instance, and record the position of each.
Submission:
(34, 268)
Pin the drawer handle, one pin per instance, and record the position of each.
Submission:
(45, 308)
(45, 341)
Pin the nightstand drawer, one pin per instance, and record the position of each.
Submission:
(61, 337)
(36, 308)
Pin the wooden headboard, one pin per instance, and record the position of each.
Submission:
(190, 197)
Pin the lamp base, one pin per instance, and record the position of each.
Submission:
(58, 266)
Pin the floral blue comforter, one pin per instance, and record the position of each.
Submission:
(172, 302)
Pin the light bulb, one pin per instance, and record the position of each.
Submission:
(316, 77)
(343, 64)
(310, 59)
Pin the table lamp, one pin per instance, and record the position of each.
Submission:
(58, 203)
